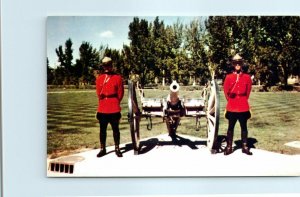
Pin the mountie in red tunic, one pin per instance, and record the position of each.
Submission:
(110, 91)
(237, 88)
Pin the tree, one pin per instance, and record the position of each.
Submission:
(194, 45)
(220, 42)
(50, 75)
(65, 58)
(294, 39)
(139, 48)
(88, 61)
(269, 44)
(283, 37)
(248, 35)
(158, 48)
(127, 57)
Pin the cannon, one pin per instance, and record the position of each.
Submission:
(172, 109)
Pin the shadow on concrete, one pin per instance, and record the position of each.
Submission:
(221, 144)
(251, 142)
(149, 144)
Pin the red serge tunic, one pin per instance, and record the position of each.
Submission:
(110, 91)
(237, 88)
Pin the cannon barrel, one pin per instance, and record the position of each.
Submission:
(173, 97)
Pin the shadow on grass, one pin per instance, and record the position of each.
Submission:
(148, 145)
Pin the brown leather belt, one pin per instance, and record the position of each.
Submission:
(103, 96)
(233, 95)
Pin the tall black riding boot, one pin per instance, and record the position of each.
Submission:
(118, 151)
(102, 151)
(245, 148)
(117, 142)
(228, 149)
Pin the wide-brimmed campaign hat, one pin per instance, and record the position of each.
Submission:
(106, 60)
(237, 58)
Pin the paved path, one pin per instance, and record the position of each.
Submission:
(189, 158)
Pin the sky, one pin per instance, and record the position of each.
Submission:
(97, 30)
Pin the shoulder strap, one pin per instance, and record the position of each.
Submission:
(236, 81)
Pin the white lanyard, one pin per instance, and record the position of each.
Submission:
(237, 80)
(106, 79)
(104, 82)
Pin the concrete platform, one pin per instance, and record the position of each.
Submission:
(188, 157)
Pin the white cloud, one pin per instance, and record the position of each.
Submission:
(107, 34)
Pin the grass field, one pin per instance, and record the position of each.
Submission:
(72, 126)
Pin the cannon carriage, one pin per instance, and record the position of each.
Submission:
(172, 109)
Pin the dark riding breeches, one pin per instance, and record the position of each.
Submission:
(114, 120)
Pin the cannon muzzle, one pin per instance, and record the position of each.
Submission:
(173, 97)
(174, 87)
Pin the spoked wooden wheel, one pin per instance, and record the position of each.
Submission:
(133, 116)
(212, 116)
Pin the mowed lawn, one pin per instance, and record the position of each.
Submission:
(72, 126)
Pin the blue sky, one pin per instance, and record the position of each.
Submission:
(97, 30)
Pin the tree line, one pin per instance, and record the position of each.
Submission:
(193, 52)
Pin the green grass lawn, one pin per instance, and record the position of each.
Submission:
(72, 126)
